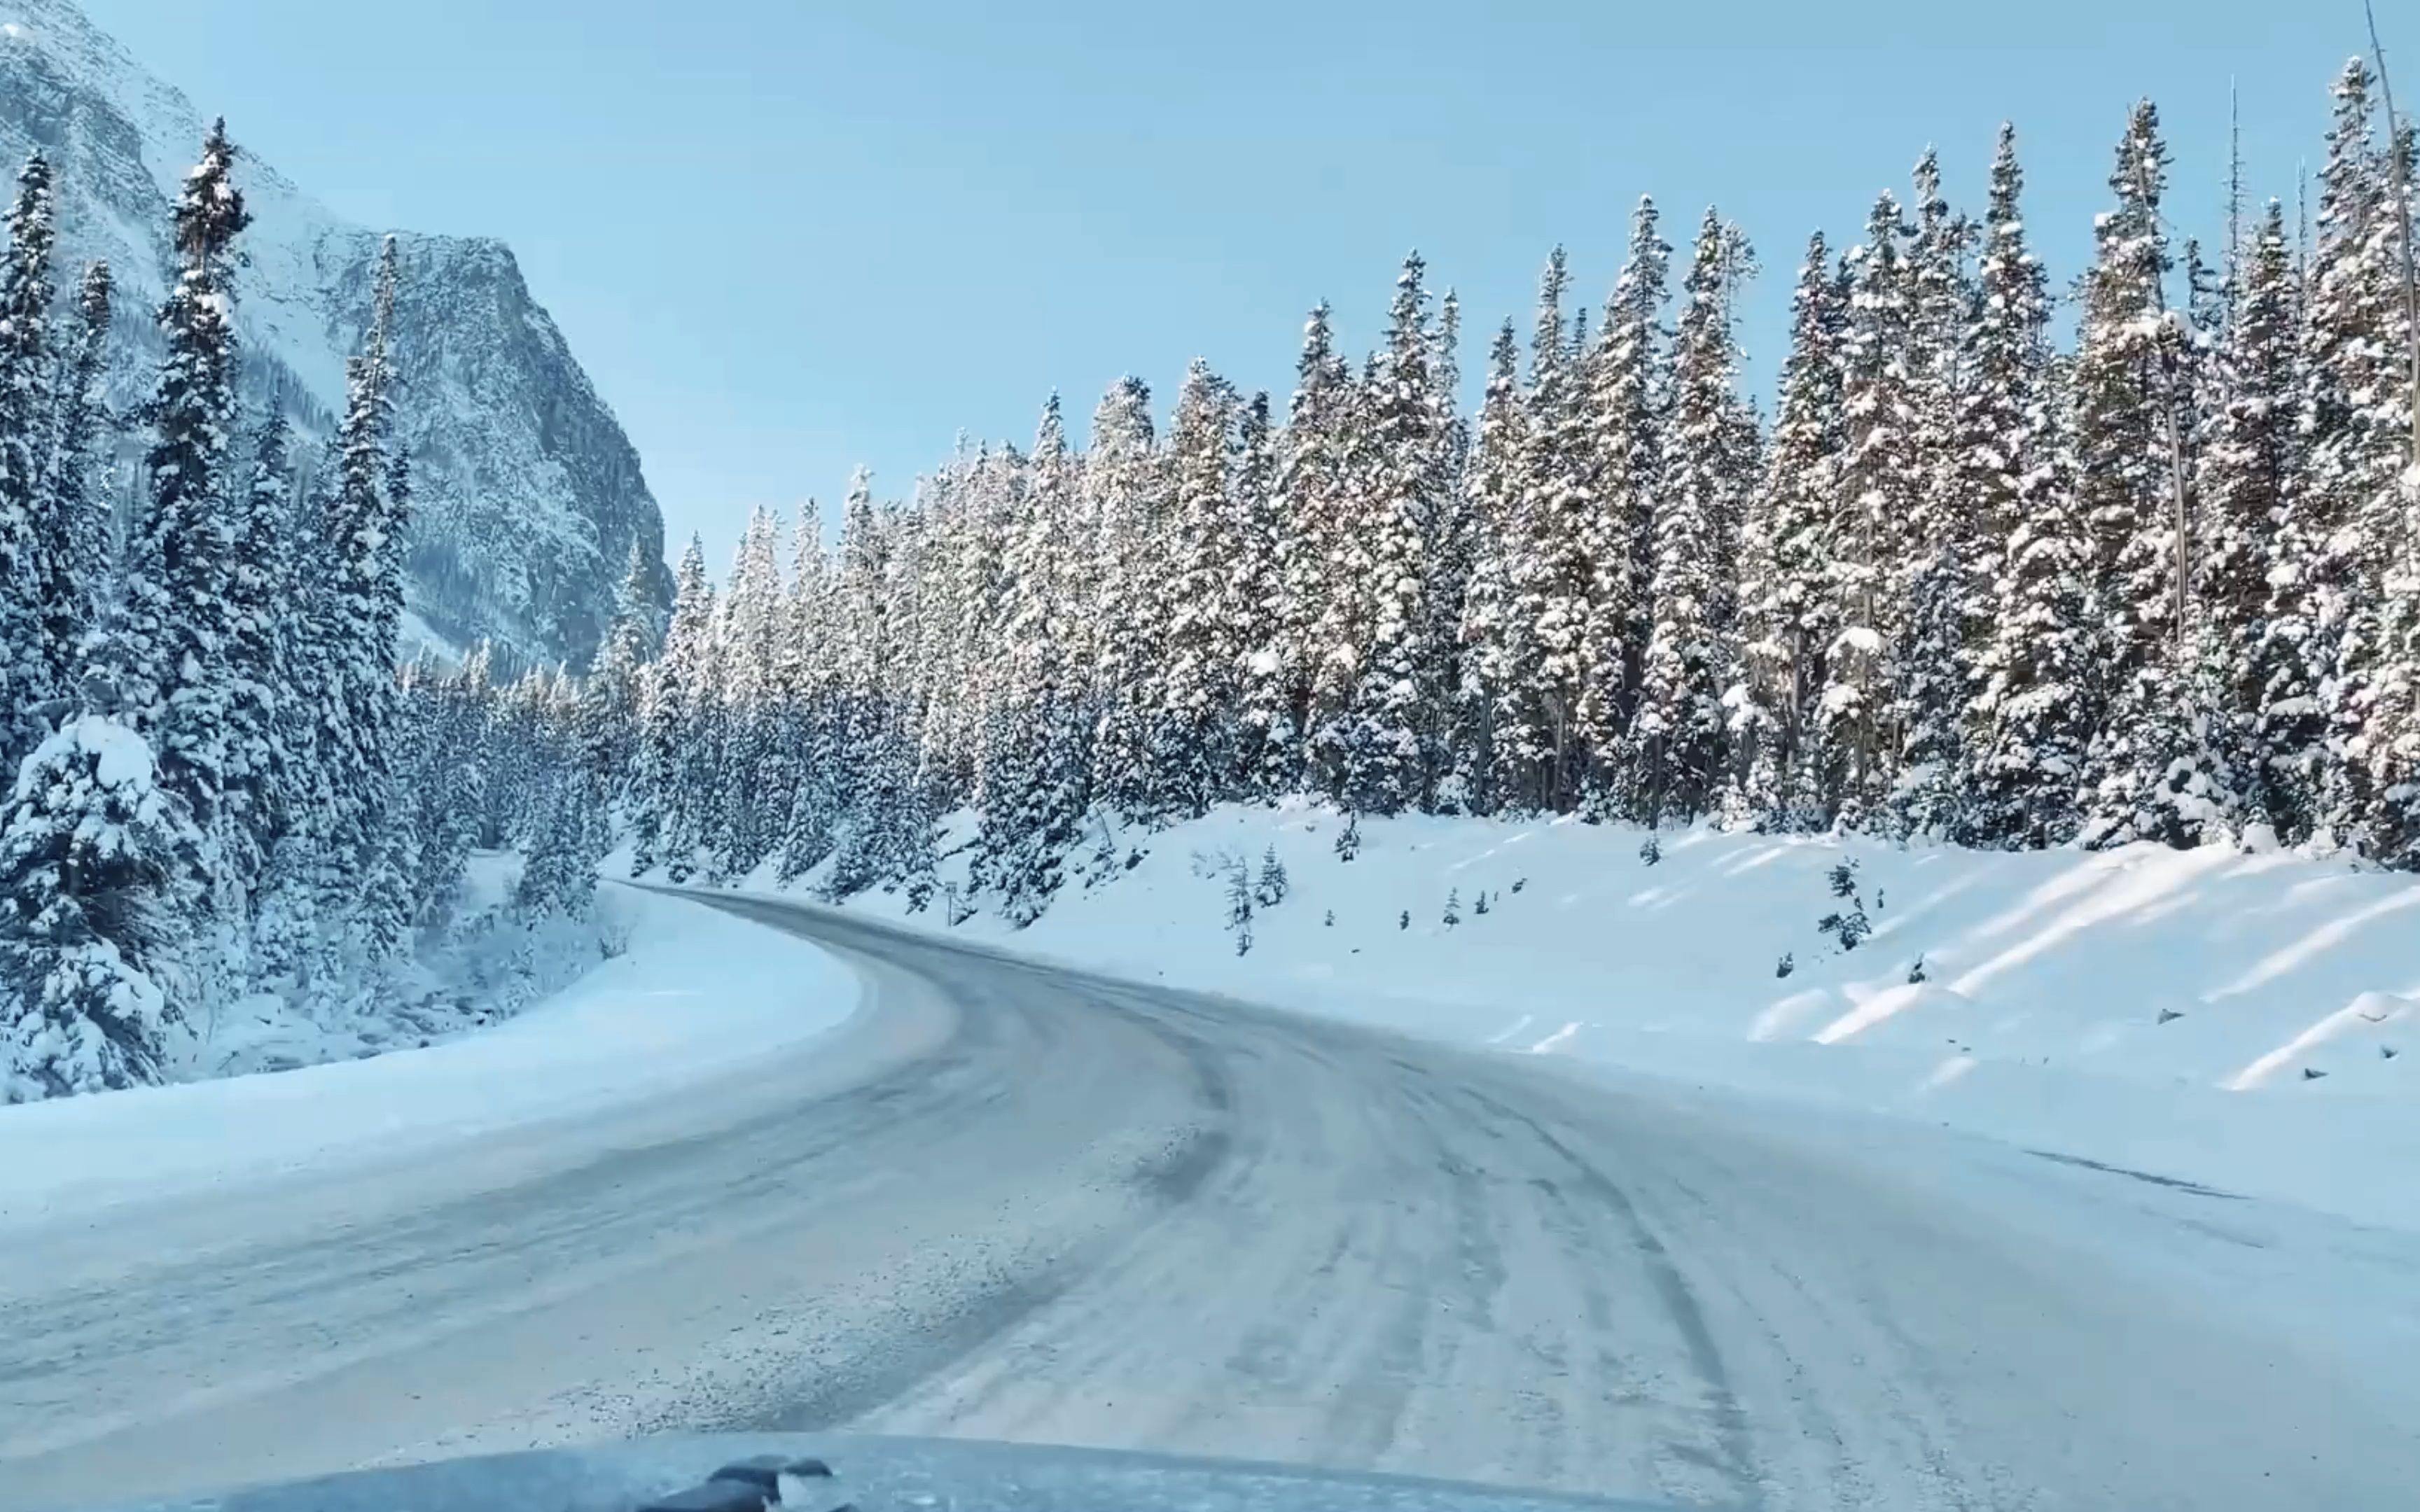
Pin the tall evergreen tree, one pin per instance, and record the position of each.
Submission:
(2352, 531)
(1629, 393)
(1037, 789)
(1252, 604)
(1125, 509)
(2124, 438)
(261, 602)
(1938, 543)
(1703, 501)
(609, 694)
(1790, 615)
(1312, 525)
(1495, 634)
(752, 769)
(1191, 745)
(2249, 472)
(1557, 587)
(681, 728)
(364, 599)
(2031, 712)
(1880, 474)
(28, 676)
(180, 560)
(1384, 742)
(70, 546)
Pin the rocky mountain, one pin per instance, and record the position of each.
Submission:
(527, 495)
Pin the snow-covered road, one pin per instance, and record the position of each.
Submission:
(1014, 1202)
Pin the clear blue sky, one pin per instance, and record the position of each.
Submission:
(785, 236)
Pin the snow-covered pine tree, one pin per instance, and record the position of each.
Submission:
(1629, 396)
(71, 532)
(98, 860)
(1494, 634)
(511, 759)
(1936, 545)
(811, 682)
(661, 741)
(1124, 512)
(297, 901)
(2126, 402)
(1252, 602)
(869, 624)
(1449, 554)
(559, 878)
(1312, 524)
(30, 691)
(445, 767)
(970, 631)
(1741, 455)
(179, 556)
(1039, 788)
(1192, 727)
(2030, 720)
(1701, 503)
(2351, 533)
(609, 695)
(685, 726)
(1790, 615)
(364, 598)
(1558, 590)
(2249, 471)
(890, 840)
(1880, 474)
(261, 603)
(2391, 828)
(751, 789)
(1386, 739)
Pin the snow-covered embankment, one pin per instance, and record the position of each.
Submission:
(697, 995)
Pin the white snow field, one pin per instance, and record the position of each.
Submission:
(695, 996)
(2162, 1010)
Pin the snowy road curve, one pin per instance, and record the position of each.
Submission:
(1013, 1202)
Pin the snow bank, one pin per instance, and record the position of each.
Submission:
(697, 994)
(2250, 1021)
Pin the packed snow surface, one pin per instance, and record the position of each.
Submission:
(2245, 1021)
(696, 996)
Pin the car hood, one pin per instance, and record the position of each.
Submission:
(869, 1474)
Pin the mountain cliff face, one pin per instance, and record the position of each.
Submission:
(527, 497)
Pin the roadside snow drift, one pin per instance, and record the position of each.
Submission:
(698, 993)
(2247, 1021)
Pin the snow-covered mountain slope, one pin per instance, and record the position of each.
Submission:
(2246, 1022)
(527, 494)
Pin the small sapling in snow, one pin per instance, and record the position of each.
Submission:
(1270, 890)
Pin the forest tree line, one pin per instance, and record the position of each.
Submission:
(1967, 581)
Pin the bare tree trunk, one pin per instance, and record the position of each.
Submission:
(2183, 502)
(2399, 156)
